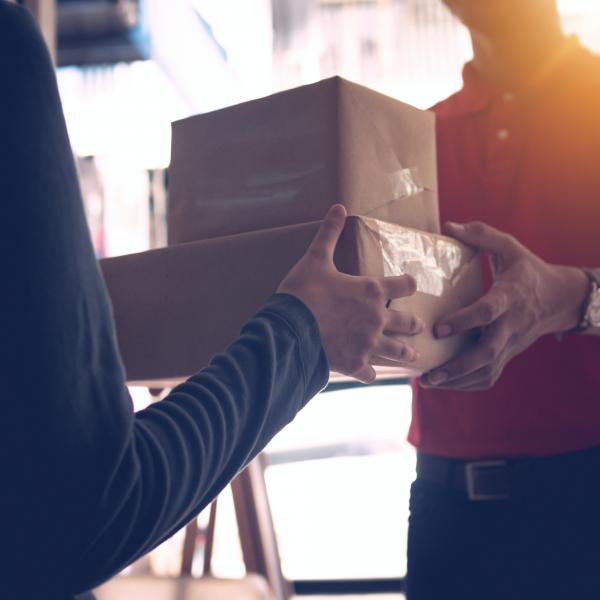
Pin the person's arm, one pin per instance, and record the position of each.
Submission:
(87, 485)
(529, 298)
(180, 452)
(190, 445)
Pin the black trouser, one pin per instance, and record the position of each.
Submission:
(542, 542)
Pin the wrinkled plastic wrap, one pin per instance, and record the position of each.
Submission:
(435, 262)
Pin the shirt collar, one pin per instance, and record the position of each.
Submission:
(477, 93)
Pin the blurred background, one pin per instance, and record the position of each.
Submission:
(337, 478)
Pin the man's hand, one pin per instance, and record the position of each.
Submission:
(351, 311)
(528, 299)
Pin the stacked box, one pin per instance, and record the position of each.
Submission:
(284, 159)
(248, 186)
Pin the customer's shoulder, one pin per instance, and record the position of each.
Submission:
(21, 42)
(586, 67)
(16, 23)
(13, 14)
(578, 90)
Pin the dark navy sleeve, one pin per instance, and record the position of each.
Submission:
(182, 451)
(86, 485)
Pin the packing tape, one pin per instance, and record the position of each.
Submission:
(405, 183)
(434, 261)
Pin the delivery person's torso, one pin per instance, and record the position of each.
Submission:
(526, 162)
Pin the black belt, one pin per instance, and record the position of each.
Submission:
(496, 480)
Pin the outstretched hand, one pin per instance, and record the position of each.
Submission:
(354, 323)
(529, 298)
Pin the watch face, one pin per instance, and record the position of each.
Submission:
(593, 312)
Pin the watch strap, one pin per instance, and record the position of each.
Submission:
(594, 279)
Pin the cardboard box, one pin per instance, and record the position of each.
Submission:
(285, 159)
(176, 307)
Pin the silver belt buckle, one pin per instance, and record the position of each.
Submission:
(471, 469)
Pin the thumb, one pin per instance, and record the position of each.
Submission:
(366, 375)
(483, 237)
(323, 245)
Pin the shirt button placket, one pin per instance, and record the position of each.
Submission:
(503, 133)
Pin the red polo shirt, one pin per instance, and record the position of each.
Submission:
(526, 161)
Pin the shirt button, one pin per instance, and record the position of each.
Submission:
(508, 97)
(502, 134)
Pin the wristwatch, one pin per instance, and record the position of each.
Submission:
(591, 311)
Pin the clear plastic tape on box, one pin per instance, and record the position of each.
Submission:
(434, 262)
(405, 182)
(407, 199)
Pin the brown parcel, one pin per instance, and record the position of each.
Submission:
(284, 159)
(178, 306)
